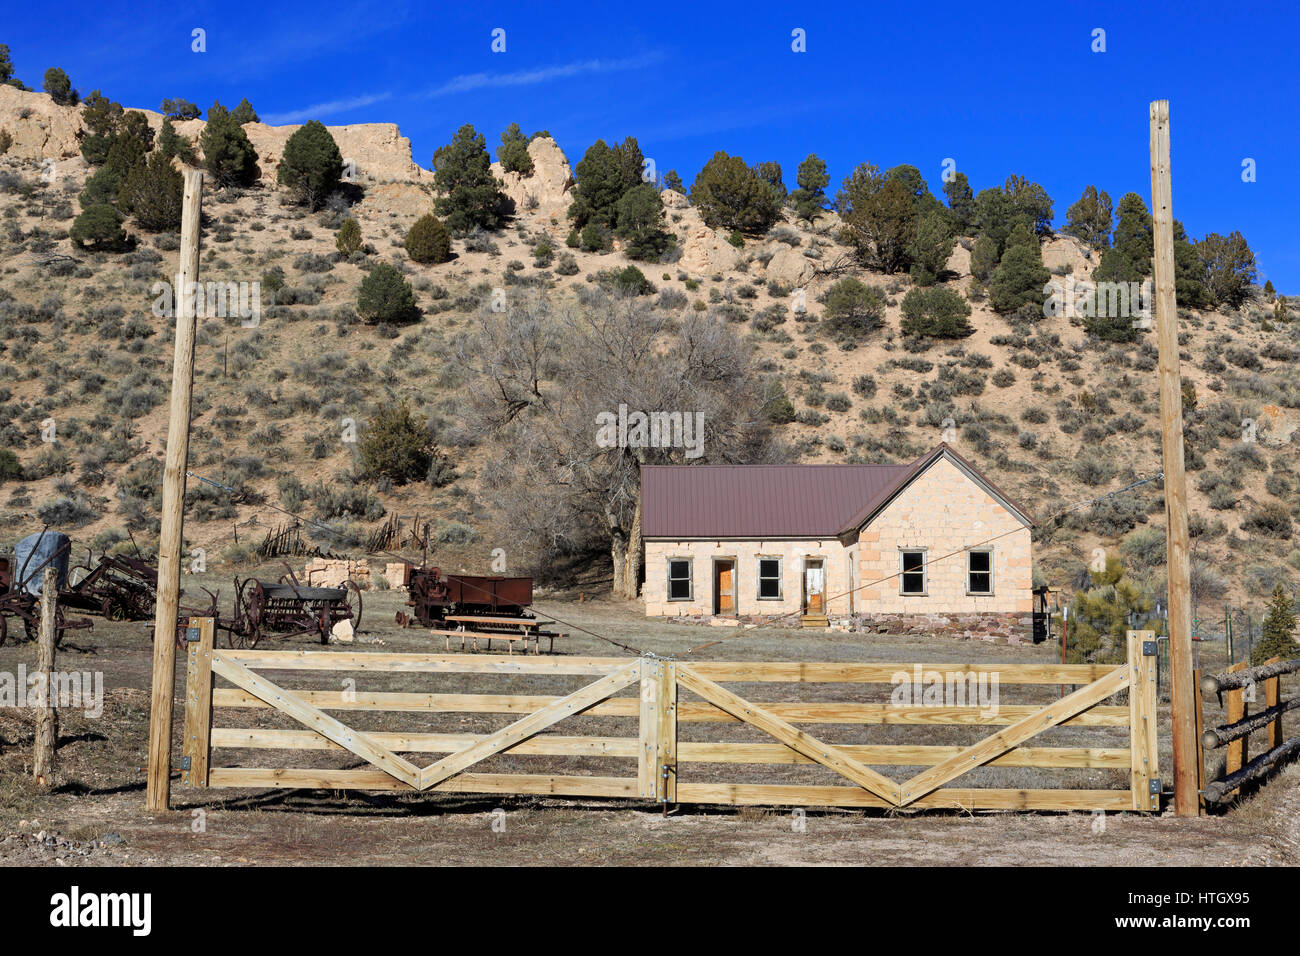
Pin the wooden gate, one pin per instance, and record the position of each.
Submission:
(671, 726)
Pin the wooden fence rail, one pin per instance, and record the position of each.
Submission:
(670, 725)
(1237, 688)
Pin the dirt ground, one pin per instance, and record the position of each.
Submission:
(96, 814)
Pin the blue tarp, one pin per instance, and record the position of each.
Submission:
(33, 552)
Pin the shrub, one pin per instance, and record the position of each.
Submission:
(936, 313)
(853, 309)
(66, 512)
(640, 221)
(11, 468)
(385, 296)
(512, 154)
(99, 228)
(154, 192)
(1272, 520)
(311, 164)
(633, 282)
(865, 385)
(593, 238)
(348, 238)
(428, 241)
(397, 445)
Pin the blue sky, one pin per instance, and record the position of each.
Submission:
(1003, 88)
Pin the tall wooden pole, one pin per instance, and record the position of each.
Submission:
(173, 503)
(1182, 695)
(46, 720)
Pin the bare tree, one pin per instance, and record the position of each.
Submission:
(544, 378)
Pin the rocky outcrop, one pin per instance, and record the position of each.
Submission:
(43, 130)
(1067, 255)
(705, 253)
(790, 266)
(549, 186)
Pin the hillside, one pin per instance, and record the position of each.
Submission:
(1056, 418)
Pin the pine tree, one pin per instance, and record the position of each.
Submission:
(6, 64)
(512, 154)
(984, 258)
(471, 196)
(101, 117)
(153, 192)
(674, 182)
(1089, 219)
(731, 195)
(172, 144)
(228, 156)
(930, 247)
(1029, 201)
(180, 110)
(604, 174)
(640, 223)
(961, 203)
(810, 198)
(59, 87)
(1133, 245)
(244, 113)
(311, 165)
(1017, 283)
(427, 241)
(397, 445)
(1229, 267)
(879, 217)
(1278, 639)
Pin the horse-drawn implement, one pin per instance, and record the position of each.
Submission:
(288, 608)
(21, 582)
(474, 607)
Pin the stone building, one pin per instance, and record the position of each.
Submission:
(901, 544)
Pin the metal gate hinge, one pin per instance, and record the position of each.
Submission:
(185, 763)
(192, 635)
(1153, 787)
(1149, 649)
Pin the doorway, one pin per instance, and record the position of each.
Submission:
(814, 586)
(724, 586)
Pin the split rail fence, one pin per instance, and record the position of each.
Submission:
(1237, 688)
(683, 716)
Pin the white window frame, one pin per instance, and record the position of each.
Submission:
(780, 578)
(925, 572)
(690, 579)
(989, 552)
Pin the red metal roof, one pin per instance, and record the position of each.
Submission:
(758, 501)
(778, 501)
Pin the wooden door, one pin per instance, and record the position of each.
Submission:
(724, 587)
(813, 589)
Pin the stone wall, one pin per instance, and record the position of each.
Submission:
(940, 512)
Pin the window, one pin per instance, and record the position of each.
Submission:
(679, 579)
(912, 579)
(979, 572)
(769, 579)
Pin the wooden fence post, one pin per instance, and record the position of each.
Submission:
(1234, 710)
(648, 751)
(47, 722)
(197, 741)
(162, 702)
(1200, 746)
(1182, 695)
(1273, 697)
(1143, 745)
(666, 749)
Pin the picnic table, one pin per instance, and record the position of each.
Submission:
(508, 629)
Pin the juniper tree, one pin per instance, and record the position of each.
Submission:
(731, 195)
(427, 241)
(1229, 267)
(348, 238)
(810, 198)
(936, 313)
(1017, 283)
(59, 87)
(244, 113)
(228, 156)
(1089, 219)
(640, 223)
(512, 154)
(961, 202)
(931, 245)
(311, 165)
(100, 116)
(179, 109)
(384, 296)
(153, 192)
(471, 196)
(879, 215)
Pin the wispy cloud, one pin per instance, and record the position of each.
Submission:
(468, 82)
(323, 109)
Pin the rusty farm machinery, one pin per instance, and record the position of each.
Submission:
(287, 608)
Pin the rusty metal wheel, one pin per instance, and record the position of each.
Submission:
(353, 601)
